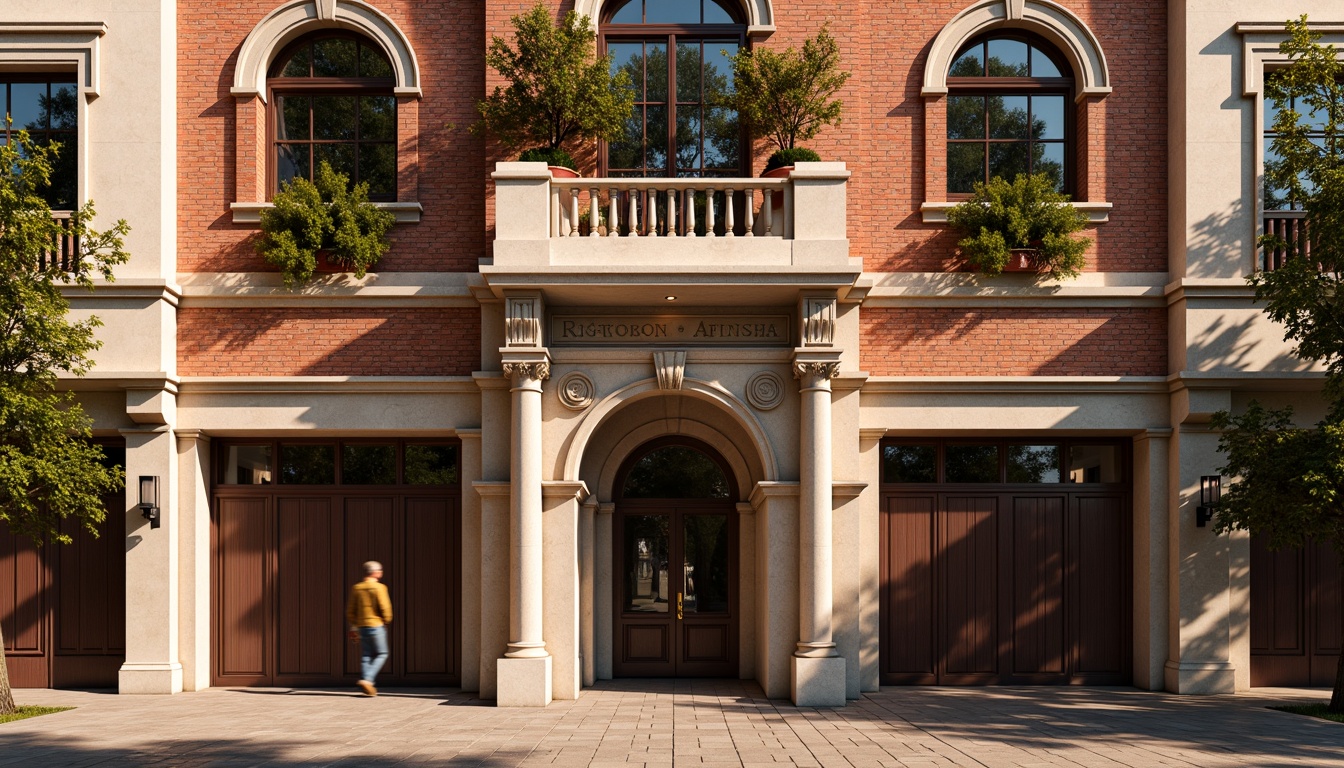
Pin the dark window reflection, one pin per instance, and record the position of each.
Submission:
(971, 464)
(308, 464)
(247, 465)
(431, 464)
(1095, 464)
(646, 561)
(909, 464)
(368, 464)
(705, 563)
(1033, 463)
(676, 472)
(48, 109)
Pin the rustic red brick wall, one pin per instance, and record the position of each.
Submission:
(328, 342)
(448, 40)
(1013, 342)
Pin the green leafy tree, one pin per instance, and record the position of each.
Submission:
(49, 470)
(787, 96)
(558, 88)
(327, 214)
(1025, 213)
(1289, 485)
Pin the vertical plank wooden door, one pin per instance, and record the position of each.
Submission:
(1297, 614)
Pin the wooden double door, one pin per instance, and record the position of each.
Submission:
(1005, 586)
(676, 589)
(1297, 615)
(284, 560)
(63, 606)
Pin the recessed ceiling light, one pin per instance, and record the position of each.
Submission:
(670, 298)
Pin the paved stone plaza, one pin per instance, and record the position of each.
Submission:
(667, 722)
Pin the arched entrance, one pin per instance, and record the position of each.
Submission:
(676, 572)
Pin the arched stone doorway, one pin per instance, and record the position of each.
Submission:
(675, 585)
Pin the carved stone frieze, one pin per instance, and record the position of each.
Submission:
(670, 366)
(540, 371)
(576, 391)
(818, 316)
(765, 390)
(522, 321)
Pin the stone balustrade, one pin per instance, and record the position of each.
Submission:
(706, 207)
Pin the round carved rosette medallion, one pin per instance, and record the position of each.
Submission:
(575, 391)
(765, 390)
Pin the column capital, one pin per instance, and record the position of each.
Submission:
(533, 365)
(816, 367)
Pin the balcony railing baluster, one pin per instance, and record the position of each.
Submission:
(64, 252)
(1290, 227)
(632, 207)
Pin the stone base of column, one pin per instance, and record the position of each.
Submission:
(150, 678)
(523, 682)
(1200, 677)
(818, 682)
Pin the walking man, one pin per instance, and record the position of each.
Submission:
(367, 612)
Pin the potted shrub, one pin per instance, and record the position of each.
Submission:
(558, 90)
(786, 96)
(1022, 225)
(323, 220)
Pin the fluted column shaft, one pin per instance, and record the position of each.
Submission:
(525, 561)
(814, 511)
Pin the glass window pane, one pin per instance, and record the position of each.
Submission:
(1276, 199)
(656, 71)
(335, 57)
(718, 71)
(1271, 114)
(1314, 119)
(717, 13)
(672, 12)
(966, 117)
(64, 107)
(627, 151)
(688, 72)
(688, 139)
(969, 63)
(247, 465)
(676, 472)
(909, 464)
(60, 194)
(340, 156)
(368, 464)
(965, 166)
(308, 464)
(1007, 117)
(723, 139)
(1008, 159)
(646, 553)
(378, 167)
(1033, 463)
(1041, 64)
(431, 464)
(334, 117)
(372, 63)
(1049, 159)
(655, 153)
(293, 122)
(1047, 117)
(1007, 58)
(299, 64)
(629, 57)
(1094, 464)
(378, 118)
(28, 106)
(630, 13)
(292, 162)
(971, 464)
(705, 564)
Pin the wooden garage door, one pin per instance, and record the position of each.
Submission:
(1297, 615)
(63, 606)
(286, 553)
(986, 581)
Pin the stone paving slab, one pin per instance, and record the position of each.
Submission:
(664, 723)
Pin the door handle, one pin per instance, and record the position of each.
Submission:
(679, 616)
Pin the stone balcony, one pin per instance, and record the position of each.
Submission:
(715, 240)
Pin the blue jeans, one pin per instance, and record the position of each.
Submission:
(373, 651)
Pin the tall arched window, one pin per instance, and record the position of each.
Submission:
(1008, 112)
(675, 129)
(331, 99)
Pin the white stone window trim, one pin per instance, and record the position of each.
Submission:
(760, 14)
(936, 213)
(1050, 20)
(294, 19)
(27, 46)
(404, 212)
(1260, 54)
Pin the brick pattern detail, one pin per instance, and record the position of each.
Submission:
(328, 342)
(1013, 342)
(222, 145)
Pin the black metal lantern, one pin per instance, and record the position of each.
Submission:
(149, 499)
(1210, 492)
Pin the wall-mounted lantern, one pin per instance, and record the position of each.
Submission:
(149, 499)
(1210, 492)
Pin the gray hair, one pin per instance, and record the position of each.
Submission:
(372, 567)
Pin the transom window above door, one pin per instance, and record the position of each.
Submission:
(677, 55)
(332, 100)
(1008, 112)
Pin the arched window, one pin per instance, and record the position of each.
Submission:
(331, 98)
(1008, 112)
(675, 129)
(675, 472)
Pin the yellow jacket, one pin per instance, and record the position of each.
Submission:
(369, 605)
